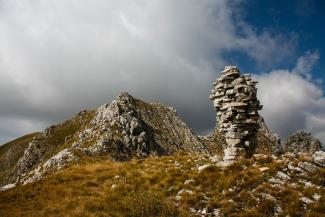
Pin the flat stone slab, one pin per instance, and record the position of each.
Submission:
(234, 104)
(263, 169)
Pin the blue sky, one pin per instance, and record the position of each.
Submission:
(303, 20)
(58, 57)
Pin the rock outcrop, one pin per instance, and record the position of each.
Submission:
(47, 144)
(273, 141)
(10, 153)
(54, 164)
(302, 142)
(319, 158)
(236, 104)
(124, 129)
(129, 127)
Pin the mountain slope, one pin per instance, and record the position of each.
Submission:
(122, 130)
(178, 185)
(132, 158)
(10, 154)
(46, 144)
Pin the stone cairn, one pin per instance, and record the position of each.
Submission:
(234, 99)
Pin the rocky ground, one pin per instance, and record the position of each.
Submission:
(179, 185)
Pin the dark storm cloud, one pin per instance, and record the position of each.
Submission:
(57, 57)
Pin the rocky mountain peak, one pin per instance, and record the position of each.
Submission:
(123, 129)
(122, 104)
(302, 141)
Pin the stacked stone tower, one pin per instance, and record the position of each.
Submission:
(234, 99)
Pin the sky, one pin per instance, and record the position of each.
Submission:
(59, 57)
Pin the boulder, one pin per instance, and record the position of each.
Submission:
(7, 187)
(319, 158)
(309, 167)
(203, 167)
(282, 176)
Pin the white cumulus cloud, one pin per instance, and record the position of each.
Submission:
(292, 100)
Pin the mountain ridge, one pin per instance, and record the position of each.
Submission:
(119, 130)
(145, 158)
(124, 128)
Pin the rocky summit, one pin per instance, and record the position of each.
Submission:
(133, 158)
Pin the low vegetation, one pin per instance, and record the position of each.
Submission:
(10, 153)
(164, 186)
(62, 135)
(45, 145)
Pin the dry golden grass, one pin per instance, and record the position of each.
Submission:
(100, 187)
(86, 190)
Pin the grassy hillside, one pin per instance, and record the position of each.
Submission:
(63, 135)
(20, 142)
(50, 142)
(182, 184)
(165, 186)
(11, 152)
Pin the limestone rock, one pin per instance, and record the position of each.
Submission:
(7, 187)
(48, 143)
(185, 191)
(59, 160)
(33, 153)
(263, 169)
(283, 176)
(309, 167)
(203, 167)
(215, 159)
(124, 129)
(189, 181)
(233, 153)
(302, 142)
(236, 104)
(319, 158)
(275, 144)
(129, 127)
(54, 164)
